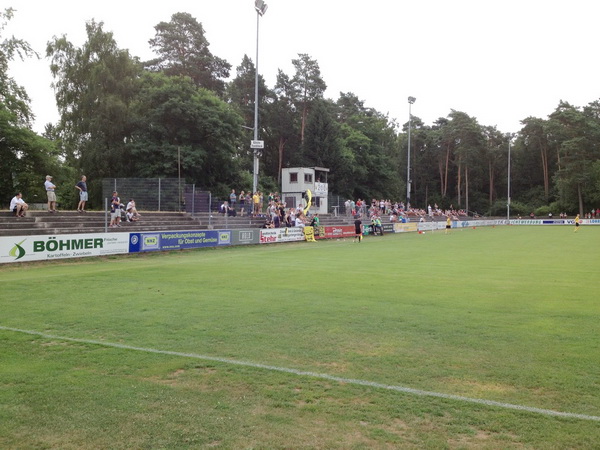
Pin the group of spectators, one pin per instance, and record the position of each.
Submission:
(19, 207)
(279, 216)
(276, 213)
(120, 211)
(248, 204)
(397, 211)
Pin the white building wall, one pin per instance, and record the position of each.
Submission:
(297, 180)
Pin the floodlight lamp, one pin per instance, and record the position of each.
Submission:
(411, 100)
(260, 6)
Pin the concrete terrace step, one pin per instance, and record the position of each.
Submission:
(67, 222)
(72, 222)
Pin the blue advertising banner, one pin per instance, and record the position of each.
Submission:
(177, 240)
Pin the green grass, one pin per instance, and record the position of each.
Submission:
(508, 314)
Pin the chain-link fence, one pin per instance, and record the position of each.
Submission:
(158, 194)
(172, 194)
(335, 205)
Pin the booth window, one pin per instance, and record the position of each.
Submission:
(293, 177)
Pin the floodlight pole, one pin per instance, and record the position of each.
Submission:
(261, 7)
(411, 100)
(508, 193)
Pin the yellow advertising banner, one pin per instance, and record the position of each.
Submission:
(309, 234)
(404, 227)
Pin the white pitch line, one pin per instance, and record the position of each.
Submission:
(324, 376)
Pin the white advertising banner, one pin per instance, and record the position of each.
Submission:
(49, 247)
(272, 235)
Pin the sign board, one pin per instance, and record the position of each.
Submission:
(257, 144)
(38, 248)
(178, 240)
(273, 235)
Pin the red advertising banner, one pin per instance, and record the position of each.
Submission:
(334, 232)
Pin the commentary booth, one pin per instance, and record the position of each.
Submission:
(297, 180)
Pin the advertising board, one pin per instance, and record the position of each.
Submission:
(177, 240)
(341, 231)
(405, 227)
(246, 236)
(273, 235)
(45, 247)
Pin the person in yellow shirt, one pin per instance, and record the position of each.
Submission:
(576, 223)
(256, 202)
(448, 224)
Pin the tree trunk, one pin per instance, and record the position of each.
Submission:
(280, 165)
(441, 172)
(467, 189)
(544, 151)
(491, 172)
(580, 198)
(304, 114)
(445, 186)
(459, 181)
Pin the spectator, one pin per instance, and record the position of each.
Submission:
(268, 223)
(224, 208)
(232, 198)
(131, 211)
(298, 222)
(83, 194)
(248, 203)
(115, 210)
(260, 202)
(242, 202)
(18, 205)
(256, 203)
(50, 187)
(315, 220)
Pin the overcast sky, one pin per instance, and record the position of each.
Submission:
(499, 61)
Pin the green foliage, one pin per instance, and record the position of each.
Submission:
(520, 208)
(321, 143)
(13, 96)
(176, 117)
(183, 51)
(25, 158)
(499, 209)
(578, 135)
(95, 85)
(543, 211)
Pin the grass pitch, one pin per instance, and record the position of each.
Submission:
(505, 314)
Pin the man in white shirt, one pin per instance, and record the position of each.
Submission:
(50, 187)
(18, 205)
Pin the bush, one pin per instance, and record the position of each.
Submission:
(498, 209)
(543, 211)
